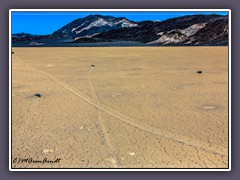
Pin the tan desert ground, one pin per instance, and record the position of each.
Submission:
(120, 107)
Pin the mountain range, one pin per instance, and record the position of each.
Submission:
(99, 30)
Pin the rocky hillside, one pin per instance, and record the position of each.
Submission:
(92, 25)
(95, 29)
(20, 37)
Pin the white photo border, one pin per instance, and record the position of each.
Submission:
(119, 169)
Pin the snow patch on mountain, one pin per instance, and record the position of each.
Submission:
(97, 23)
(74, 29)
(126, 23)
(102, 22)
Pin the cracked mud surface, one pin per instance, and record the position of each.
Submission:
(136, 108)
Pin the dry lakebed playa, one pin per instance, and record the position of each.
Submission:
(120, 107)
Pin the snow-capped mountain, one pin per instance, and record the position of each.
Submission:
(92, 25)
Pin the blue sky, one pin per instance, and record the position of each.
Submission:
(43, 23)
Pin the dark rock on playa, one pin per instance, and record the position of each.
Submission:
(37, 95)
(199, 72)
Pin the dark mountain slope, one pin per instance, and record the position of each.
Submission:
(97, 29)
(92, 24)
